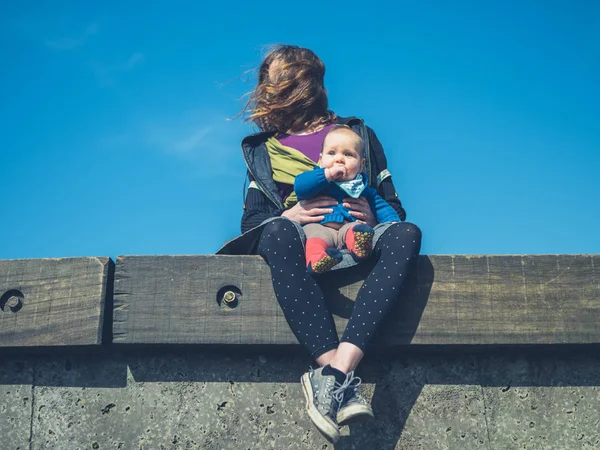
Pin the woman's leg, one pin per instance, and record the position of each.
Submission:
(395, 250)
(299, 296)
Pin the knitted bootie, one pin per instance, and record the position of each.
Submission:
(320, 258)
(359, 241)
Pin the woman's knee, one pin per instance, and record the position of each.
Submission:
(279, 231)
(281, 227)
(403, 232)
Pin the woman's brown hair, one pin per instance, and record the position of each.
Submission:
(295, 99)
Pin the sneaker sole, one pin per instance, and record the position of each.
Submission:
(354, 414)
(329, 431)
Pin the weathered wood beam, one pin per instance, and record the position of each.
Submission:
(448, 300)
(53, 302)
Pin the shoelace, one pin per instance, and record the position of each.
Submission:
(340, 389)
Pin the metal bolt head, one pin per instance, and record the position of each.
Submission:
(229, 297)
(13, 302)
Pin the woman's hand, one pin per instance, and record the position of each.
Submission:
(310, 211)
(360, 208)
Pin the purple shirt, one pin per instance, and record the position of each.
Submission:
(308, 144)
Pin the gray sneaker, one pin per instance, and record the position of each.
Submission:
(323, 397)
(354, 407)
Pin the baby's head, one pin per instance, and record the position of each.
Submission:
(343, 146)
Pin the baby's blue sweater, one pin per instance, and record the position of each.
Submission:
(313, 183)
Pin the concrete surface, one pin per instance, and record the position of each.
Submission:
(208, 400)
(16, 396)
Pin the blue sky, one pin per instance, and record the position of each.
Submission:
(115, 139)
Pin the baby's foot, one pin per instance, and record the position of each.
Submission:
(359, 241)
(330, 258)
(319, 258)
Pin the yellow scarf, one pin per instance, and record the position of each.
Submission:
(287, 162)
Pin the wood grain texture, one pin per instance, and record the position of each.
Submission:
(61, 301)
(447, 300)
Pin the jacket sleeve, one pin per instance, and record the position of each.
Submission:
(257, 209)
(385, 186)
(382, 210)
(308, 184)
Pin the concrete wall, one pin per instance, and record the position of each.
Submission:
(208, 400)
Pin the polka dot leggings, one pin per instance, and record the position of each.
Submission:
(302, 300)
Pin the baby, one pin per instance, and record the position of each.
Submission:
(340, 175)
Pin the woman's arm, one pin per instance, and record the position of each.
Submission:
(257, 209)
(385, 187)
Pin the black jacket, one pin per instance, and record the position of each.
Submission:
(263, 201)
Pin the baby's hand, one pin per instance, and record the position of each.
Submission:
(335, 173)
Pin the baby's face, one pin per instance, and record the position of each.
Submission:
(343, 148)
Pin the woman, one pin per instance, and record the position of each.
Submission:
(290, 107)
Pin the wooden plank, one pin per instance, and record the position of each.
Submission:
(173, 299)
(53, 302)
(447, 300)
